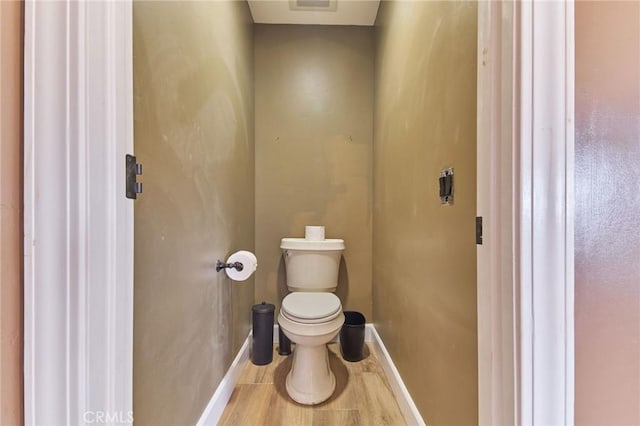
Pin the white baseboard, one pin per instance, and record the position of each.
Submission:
(405, 402)
(212, 413)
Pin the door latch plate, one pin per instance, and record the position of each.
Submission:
(446, 186)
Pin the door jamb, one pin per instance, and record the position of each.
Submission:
(526, 196)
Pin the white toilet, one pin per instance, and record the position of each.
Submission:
(311, 315)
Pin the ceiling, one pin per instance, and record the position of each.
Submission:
(314, 12)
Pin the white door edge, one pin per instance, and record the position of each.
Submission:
(78, 239)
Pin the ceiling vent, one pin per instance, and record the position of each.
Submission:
(314, 12)
(315, 5)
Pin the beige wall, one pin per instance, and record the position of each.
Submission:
(314, 112)
(607, 228)
(424, 254)
(11, 30)
(193, 112)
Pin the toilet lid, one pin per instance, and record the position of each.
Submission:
(311, 307)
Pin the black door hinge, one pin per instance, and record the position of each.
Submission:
(133, 169)
(479, 230)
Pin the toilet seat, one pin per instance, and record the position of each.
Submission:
(311, 307)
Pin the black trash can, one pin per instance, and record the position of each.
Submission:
(262, 336)
(284, 344)
(352, 336)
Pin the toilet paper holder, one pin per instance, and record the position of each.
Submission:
(238, 266)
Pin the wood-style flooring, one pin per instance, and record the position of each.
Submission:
(362, 396)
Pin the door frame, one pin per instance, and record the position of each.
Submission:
(79, 307)
(78, 225)
(526, 197)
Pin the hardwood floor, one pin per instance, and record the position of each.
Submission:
(362, 396)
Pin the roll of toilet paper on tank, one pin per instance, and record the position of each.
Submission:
(314, 233)
(249, 265)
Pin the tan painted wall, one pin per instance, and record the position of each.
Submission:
(607, 227)
(314, 112)
(193, 112)
(11, 42)
(424, 254)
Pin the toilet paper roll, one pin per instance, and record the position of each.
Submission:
(314, 233)
(249, 265)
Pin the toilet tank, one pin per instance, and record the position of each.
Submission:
(312, 265)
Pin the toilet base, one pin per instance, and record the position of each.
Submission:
(310, 380)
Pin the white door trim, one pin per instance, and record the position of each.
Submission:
(79, 228)
(546, 206)
(525, 194)
(78, 225)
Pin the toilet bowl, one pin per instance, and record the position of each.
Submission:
(311, 320)
(311, 316)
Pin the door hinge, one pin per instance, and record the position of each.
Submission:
(133, 169)
(479, 230)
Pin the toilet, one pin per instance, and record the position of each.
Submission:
(311, 315)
